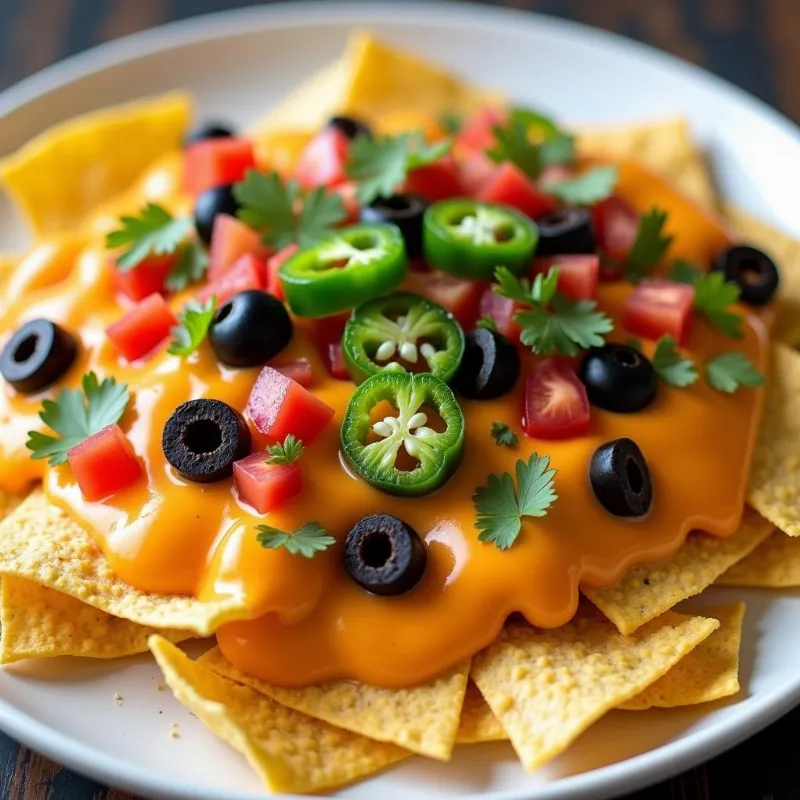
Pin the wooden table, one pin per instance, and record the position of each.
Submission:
(753, 43)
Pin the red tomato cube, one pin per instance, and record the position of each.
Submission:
(249, 272)
(230, 240)
(279, 406)
(477, 169)
(554, 173)
(616, 224)
(143, 328)
(104, 464)
(511, 187)
(274, 285)
(658, 308)
(437, 181)
(459, 296)
(335, 359)
(298, 370)
(347, 191)
(556, 404)
(215, 162)
(578, 275)
(502, 311)
(147, 278)
(322, 162)
(478, 131)
(264, 486)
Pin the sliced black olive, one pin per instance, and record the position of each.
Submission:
(208, 130)
(752, 270)
(37, 355)
(351, 127)
(618, 378)
(490, 366)
(384, 555)
(219, 200)
(407, 211)
(566, 231)
(250, 329)
(620, 478)
(202, 439)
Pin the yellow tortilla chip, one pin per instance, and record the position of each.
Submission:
(647, 592)
(774, 489)
(775, 564)
(423, 719)
(664, 147)
(62, 174)
(709, 672)
(478, 722)
(290, 751)
(547, 687)
(43, 623)
(40, 543)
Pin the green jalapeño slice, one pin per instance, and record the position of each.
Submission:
(345, 269)
(401, 453)
(402, 332)
(471, 239)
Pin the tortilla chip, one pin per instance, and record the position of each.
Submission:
(40, 543)
(291, 752)
(62, 174)
(664, 147)
(547, 687)
(478, 722)
(709, 672)
(43, 623)
(785, 251)
(423, 719)
(775, 564)
(647, 592)
(774, 489)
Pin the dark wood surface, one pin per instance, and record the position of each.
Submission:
(754, 43)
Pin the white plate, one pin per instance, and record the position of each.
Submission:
(237, 64)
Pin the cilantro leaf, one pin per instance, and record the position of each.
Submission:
(308, 540)
(500, 507)
(451, 122)
(586, 189)
(195, 320)
(76, 415)
(154, 232)
(380, 164)
(650, 245)
(682, 271)
(712, 296)
(671, 366)
(291, 449)
(503, 435)
(512, 144)
(558, 151)
(729, 371)
(191, 267)
(271, 206)
(487, 322)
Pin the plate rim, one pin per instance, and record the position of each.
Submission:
(629, 775)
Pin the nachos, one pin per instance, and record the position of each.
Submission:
(426, 408)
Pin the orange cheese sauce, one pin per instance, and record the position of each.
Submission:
(307, 621)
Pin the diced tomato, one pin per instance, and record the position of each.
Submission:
(616, 224)
(578, 275)
(477, 133)
(248, 272)
(278, 406)
(477, 169)
(274, 286)
(556, 405)
(437, 181)
(230, 240)
(329, 329)
(298, 370)
(460, 297)
(502, 311)
(145, 279)
(322, 162)
(264, 486)
(214, 162)
(511, 187)
(553, 173)
(658, 308)
(143, 328)
(336, 365)
(347, 191)
(104, 464)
